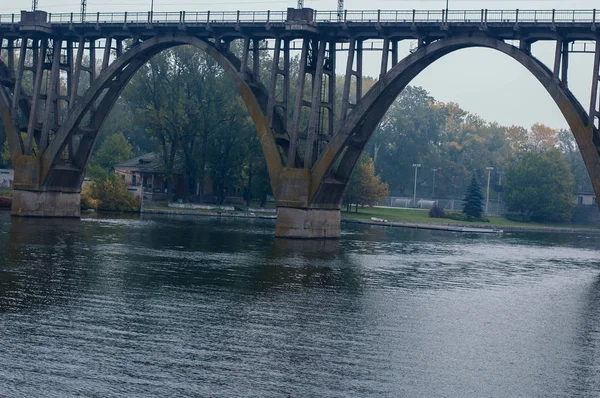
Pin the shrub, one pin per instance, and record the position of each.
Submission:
(437, 212)
(87, 202)
(517, 217)
(112, 195)
(465, 217)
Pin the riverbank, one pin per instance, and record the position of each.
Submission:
(401, 218)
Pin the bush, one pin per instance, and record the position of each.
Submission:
(517, 217)
(87, 202)
(437, 212)
(464, 217)
(110, 194)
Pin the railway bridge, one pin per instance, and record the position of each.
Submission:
(60, 74)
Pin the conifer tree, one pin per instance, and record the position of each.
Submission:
(473, 206)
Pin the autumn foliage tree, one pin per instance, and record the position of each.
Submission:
(365, 187)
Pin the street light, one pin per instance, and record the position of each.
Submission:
(499, 190)
(433, 186)
(487, 195)
(416, 166)
(446, 11)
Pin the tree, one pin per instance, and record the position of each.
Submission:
(542, 138)
(4, 158)
(473, 206)
(569, 148)
(365, 188)
(408, 133)
(114, 149)
(539, 186)
(193, 112)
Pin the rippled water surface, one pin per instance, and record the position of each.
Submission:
(172, 307)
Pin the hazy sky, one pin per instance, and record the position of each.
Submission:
(482, 81)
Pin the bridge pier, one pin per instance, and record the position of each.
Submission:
(45, 204)
(307, 223)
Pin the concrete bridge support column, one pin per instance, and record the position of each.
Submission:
(307, 223)
(297, 217)
(45, 204)
(60, 198)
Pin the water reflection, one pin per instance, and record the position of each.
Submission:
(41, 262)
(585, 375)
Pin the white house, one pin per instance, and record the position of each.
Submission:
(585, 199)
(6, 178)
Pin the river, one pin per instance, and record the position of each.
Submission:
(197, 307)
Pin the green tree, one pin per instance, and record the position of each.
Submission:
(473, 206)
(256, 174)
(409, 132)
(193, 113)
(4, 157)
(365, 187)
(568, 146)
(539, 186)
(114, 149)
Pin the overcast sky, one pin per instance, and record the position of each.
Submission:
(481, 81)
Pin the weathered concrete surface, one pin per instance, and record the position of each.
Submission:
(45, 204)
(292, 188)
(307, 223)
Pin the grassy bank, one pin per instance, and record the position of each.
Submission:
(422, 216)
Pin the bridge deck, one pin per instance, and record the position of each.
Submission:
(398, 24)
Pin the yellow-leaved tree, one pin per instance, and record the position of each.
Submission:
(365, 187)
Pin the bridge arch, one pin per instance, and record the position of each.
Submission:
(14, 139)
(332, 170)
(115, 77)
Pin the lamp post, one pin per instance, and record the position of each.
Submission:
(487, 195)
(416, 166)
(433, 185)
(446, 11)
(151, 10)
(499, 190)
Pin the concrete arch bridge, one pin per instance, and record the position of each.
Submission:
(78, 64)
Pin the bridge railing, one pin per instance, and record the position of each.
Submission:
(164, 17)
(351, 16)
